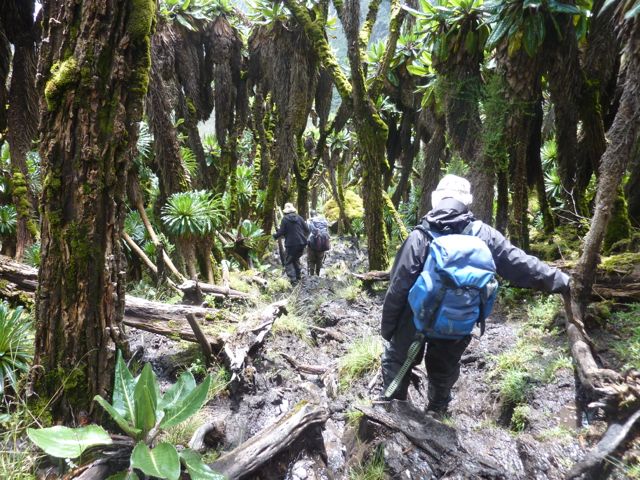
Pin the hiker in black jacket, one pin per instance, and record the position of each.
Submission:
(295, 232)
(450, 214)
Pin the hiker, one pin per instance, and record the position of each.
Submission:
(295, 232)
(450, 214)
(319, 242)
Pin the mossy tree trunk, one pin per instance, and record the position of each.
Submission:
(23, 124)
(94, 70)
(5, 66)
(623, 136)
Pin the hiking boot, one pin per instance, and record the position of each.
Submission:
(437, 412)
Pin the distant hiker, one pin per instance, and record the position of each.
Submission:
(295, 232)
(452, 310)
(319, 242)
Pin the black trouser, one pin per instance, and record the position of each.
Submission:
(314, 261)
(292, 261)
(442, 361)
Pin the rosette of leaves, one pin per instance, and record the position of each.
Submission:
(142, 412)
(16, 346)
(8, 221)
(193, 213)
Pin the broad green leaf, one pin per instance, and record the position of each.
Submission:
(123, 389)
(498, 32)
(187, 406)
(198, 470)
(65, 442)
(124, 475)
(126, 426)
(146, 399)
(184, 385)
(471, 42)
(161, 462)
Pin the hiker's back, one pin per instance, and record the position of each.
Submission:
(319, 240)
(457, 287)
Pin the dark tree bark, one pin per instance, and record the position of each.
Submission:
(434, 151)
(91, 106)
(172, 177)
(460, 72)
(23, 124)
(409, 147)
(565, 83)
(633, 189)
(623, 138)
(5, 65)
(600, 70)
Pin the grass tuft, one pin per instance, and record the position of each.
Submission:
(520, 418)
(362, 357)
(292, 324)
(374, 469)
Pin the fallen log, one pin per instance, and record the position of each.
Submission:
(338, 337)
(613, 438)
(438, 441)
(373, 276)
(23, 276)
(213, 290)
(208, 434)
(263, 447)
(622, 285)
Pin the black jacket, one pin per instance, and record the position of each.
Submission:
(294, 230)
(451, 216)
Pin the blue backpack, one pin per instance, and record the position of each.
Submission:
(457, 287)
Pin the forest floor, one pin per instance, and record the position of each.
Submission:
(515, 409)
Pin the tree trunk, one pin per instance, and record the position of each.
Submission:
(409, 149)
(5, 65)
(633, 189)
(23, 124)
(433, 156)
(565, 80)
(535, 173)
(622, 136)
(91, 106)
(172, 175)
(464, 83)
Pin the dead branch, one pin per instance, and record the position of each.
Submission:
(304, 368)
(203, 340)
(613, 438)
(213, 290)
(338, 337)
(260, 449)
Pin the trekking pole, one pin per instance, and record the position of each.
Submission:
(414, 349)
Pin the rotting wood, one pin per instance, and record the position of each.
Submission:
(203, 340)
(213, 428)
(613, 438)
(247, 338)
(304, 368)
(260, 449)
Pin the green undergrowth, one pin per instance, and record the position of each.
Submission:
(362, 357)
(564, 243)
(373, 469)
(292, 324)
(533, 360)
(627, 345)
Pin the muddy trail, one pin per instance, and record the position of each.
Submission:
(514, 414)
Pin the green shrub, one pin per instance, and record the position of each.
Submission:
(16, 346)
(142, 412)
(353, 207)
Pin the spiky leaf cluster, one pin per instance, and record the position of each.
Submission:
(193, 213)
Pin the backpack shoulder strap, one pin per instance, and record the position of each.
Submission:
(426, 230)
(472, 228)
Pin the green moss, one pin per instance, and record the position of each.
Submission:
(621, 263)
(191, 107)
(63, 75)
(141, 18)
(82, 254)
(353, 206)
(619, 226)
